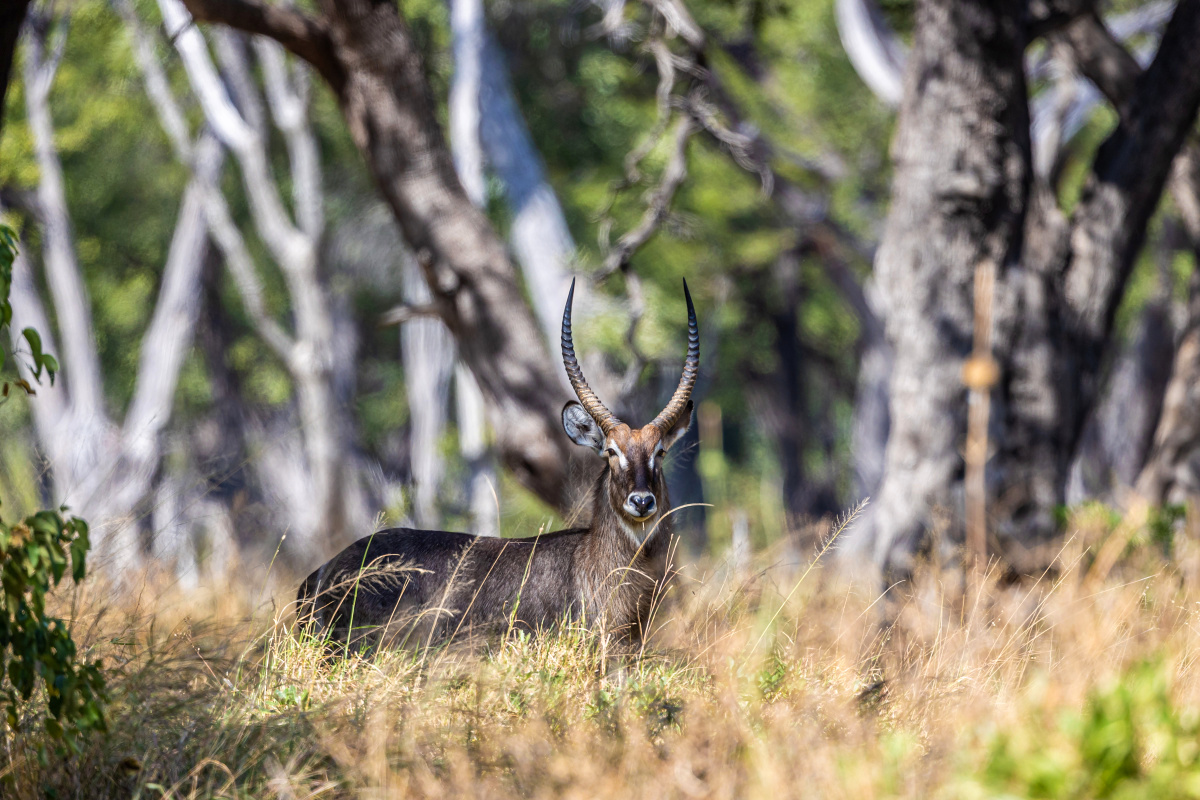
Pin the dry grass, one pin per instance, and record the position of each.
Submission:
(755, 685)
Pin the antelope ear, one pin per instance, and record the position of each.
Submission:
(680, 428)
(580, 426)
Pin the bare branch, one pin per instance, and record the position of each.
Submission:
(302, 35)
(1104, 61)
(287, 244)
(659, 204)
(63, 275)
(155, 78)
(876, 53)
(230, 47)
(169, 335)
(288, 100)
(241, 267)
(1127, 179)
(216, 211)
(406, 312)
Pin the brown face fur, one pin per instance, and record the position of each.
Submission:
(637, 492)
(635, 485)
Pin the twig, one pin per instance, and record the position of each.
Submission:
(980, 374)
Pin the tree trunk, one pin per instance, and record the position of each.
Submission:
(427, 353)
(1117, 439)
(482, 495)
(961, 178)
(102, 470)
(294, 244)
(963, 194)
(366, 53)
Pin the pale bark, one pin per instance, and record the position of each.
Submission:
(427, 353)
(104, 470)
(468, 33)
(62, 271)
(539, 235)
(482, 496)
(366, 53)
(294, 246)
(876, 53)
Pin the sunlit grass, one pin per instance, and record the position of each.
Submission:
(773, 682)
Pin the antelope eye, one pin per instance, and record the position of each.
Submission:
(609, 452)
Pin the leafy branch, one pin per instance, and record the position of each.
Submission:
(35, 647)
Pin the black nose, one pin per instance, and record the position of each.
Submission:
(643, 503)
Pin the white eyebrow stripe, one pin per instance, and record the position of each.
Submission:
(624, 462)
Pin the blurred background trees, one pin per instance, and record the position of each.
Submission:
(305, 264)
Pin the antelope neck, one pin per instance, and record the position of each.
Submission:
(621, 536)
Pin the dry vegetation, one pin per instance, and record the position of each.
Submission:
(779, 683)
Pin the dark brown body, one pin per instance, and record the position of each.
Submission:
(405, 585)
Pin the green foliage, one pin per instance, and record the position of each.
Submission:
(39, 362)
(1163, 523)
(35, 647)
(1132, 740)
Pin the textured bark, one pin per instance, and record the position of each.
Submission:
(871, 421)
(365, 51)
(103, 469)
(1117, 439)
(962, 194)
(958, 197)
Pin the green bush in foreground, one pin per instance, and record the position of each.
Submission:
(1131, 740)
(36, 648)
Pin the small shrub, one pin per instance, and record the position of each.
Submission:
(1132, 740)
(36, 649)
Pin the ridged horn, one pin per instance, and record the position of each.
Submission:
(691, 368)
(587, 398)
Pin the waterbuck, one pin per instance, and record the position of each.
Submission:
(385, 587)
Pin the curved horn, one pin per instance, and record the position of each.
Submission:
(691, 368)
(591, 404)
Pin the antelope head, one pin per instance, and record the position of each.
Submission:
(636, 490)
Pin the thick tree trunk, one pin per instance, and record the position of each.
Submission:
(962, 195)
(961, 163)
(367, 54)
